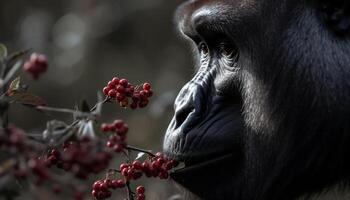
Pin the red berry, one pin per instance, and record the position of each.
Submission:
(160, 160)
(163, 174)
(123, 166)
(112, 93)
(115, 80)
(36, 65)
(118, 123)
(110, 84)
(105, 127)
(110, 144)
(96, 185)
(146, 86)
(137, 165)
(123, 82)
(143, 103)
(148, 93)
(118, 148)
(104, 186)
(140, 190)
(124, 172)
(121, 89)
(94, 193)
(120, 183)
(120, 97)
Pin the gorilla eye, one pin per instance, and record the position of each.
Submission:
(228, 55)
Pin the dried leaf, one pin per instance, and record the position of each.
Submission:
(28, 99)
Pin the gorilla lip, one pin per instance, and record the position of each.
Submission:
(203, 164)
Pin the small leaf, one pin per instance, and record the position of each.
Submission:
(14, 86)
(28, 99)
(3, 51)
(84, 106)
(139, 155)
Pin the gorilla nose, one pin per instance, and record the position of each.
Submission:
(190, 106)
(182, 114)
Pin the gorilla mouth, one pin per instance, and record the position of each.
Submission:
(198, 148)
(194, 165)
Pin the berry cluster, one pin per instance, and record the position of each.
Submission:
(80, 158)
(13, 139)
(101, 188)
(36, 65)
(154, 166)
(117, 139)
(122, 91)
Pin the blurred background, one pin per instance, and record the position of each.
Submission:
(87, 43)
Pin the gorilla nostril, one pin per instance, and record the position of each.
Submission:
(181, 115)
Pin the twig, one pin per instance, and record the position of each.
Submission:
(103, 102)
(61, 110)
(139, 150)
(129, 192)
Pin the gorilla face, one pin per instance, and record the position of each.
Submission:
(267, 114)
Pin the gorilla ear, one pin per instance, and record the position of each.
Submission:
(336, 14)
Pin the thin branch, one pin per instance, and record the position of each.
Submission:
(61, 110)
(102, 102)
(129, 147)
(129, 192)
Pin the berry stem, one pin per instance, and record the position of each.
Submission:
(129, 147)
(114, 170)
(129, 192)
(107, 99)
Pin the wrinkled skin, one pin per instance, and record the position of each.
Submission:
(267, 115)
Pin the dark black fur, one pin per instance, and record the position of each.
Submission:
(277, 125)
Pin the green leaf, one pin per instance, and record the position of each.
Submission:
(28, 99)
(14, 86)
(3, 51)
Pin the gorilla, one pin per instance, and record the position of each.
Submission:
(267, 114)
